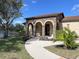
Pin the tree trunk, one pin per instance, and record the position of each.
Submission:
(6, 31)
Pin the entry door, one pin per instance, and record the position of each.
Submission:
(47, 29)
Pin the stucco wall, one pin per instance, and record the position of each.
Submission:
(74, 26)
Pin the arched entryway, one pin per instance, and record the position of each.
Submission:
(30, 28)
(48, 28)
(38, 29)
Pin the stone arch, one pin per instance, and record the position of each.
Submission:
(39, 21)
(38, 29)
(30, 29)
(48, 28)
(49, 21)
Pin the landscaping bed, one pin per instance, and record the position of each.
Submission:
(67, 53)
(13, 48)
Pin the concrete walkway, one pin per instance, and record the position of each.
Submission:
(37, 51)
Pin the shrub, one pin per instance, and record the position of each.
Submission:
(68, 37)
(59, 35)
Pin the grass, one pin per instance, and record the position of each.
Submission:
(70, 54)
(13, 48)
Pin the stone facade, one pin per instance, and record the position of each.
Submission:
(44, 25)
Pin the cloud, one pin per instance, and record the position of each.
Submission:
(25, 5)
(75, 8)
(34, 1)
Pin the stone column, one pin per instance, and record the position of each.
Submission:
(60, 25)
(43, 30)
(54, 30)
(34, 30)
(26, 29)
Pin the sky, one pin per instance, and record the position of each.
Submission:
(39, 7)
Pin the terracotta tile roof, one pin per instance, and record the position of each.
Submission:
(45, 16)
(70, 18)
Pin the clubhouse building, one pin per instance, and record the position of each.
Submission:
(46, 25)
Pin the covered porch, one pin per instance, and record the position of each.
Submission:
(44, 30)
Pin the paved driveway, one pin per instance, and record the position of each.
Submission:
(37, 51)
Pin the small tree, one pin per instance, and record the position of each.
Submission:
(19, 28)
(11, 27)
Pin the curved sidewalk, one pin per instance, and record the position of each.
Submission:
(37, 51)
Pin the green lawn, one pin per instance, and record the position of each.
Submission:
(71, 54)
(13, 48)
